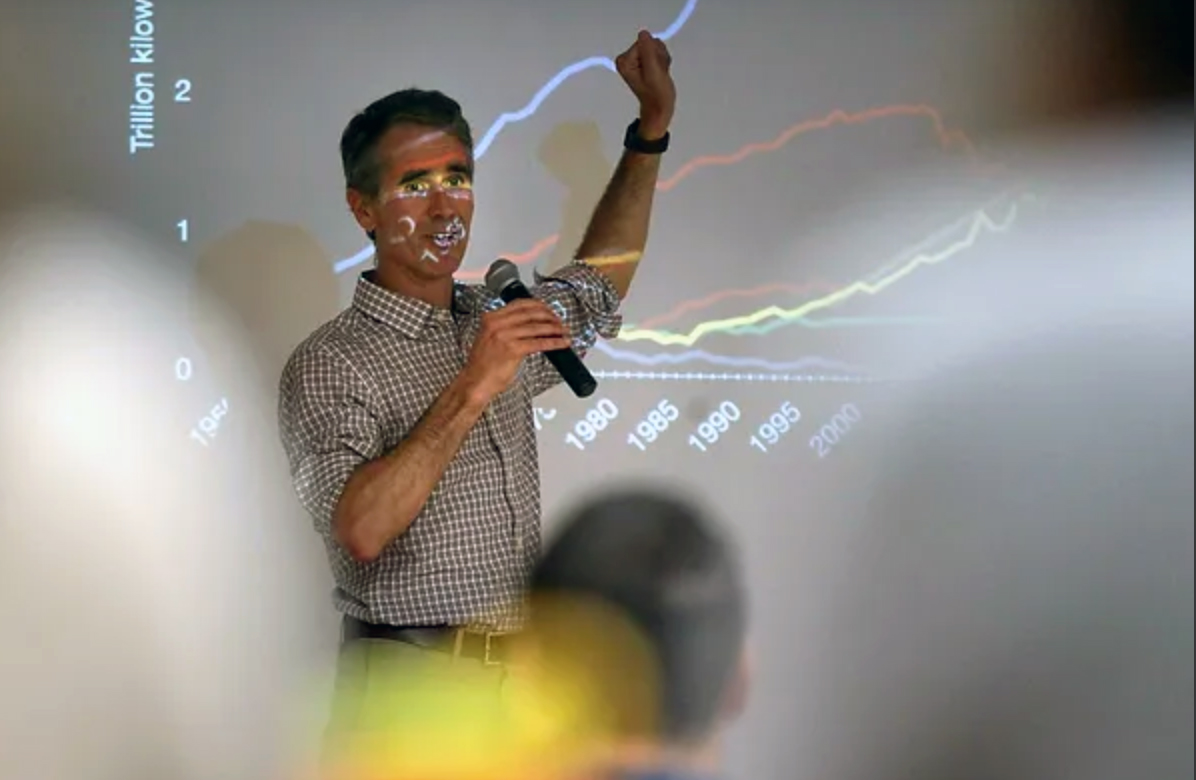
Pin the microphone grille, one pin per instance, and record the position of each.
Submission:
(502, 273)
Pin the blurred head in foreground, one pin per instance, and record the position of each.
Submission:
(143, 624)
(634, 662)
(639, 615)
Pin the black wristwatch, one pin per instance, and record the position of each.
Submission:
(633, 142)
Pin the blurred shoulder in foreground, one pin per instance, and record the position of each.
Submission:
(1017, 599)
(1014, 600)
(137, 622)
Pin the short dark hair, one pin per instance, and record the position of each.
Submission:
(359, 141)
(671, 573)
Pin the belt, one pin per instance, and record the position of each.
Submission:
(489, 647)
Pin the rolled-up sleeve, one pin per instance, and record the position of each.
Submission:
(327, 428)
(588, 303)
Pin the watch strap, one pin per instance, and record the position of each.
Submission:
(633, 141)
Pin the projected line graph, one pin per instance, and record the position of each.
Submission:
(698, 304)
(533, 105)
(976, 222)
(564, 75)
(696, 376)
(832, 322)
(948, 139)
(981, 223)
(699, 356)
(938, 236)
(786, 288)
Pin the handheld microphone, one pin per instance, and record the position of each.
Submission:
(503, 280)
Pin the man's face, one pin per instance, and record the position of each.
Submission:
(424, 207)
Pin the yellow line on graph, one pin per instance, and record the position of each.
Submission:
(980, 223)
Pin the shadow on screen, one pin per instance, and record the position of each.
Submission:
(572, 153)
(277, 281)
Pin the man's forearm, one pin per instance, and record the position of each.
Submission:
(383, 497)
(618, 230)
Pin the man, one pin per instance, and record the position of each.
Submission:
(407, 419)
(639, 616)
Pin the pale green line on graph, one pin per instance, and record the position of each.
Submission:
(982, 222)
(834, 322)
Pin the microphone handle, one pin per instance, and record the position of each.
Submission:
(564, 360)
(573, 371)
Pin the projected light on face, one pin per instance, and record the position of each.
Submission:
(452, 234)
(423, 213)
(445, 240)
(406, 228)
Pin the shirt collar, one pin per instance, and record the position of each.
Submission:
(410, 316)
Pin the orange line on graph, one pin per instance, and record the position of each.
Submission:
(947, 138)
(722, 295)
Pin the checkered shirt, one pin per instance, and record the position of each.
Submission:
(354, 388)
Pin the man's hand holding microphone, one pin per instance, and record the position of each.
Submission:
(507, 336)
(524, 326)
